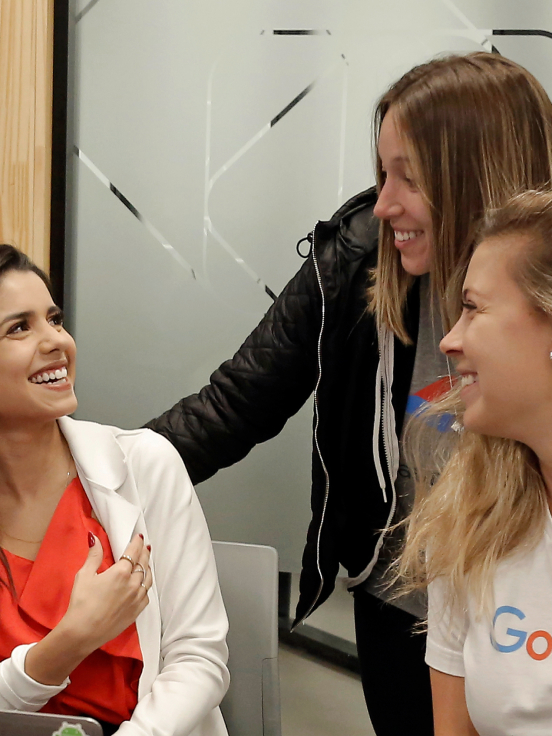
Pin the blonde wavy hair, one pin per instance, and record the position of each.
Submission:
(478, 128)
(484, 497)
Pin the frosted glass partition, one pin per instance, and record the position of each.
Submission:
(209, 137)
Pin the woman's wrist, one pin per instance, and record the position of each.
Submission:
(52, 660)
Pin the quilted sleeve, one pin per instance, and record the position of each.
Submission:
(250, 397)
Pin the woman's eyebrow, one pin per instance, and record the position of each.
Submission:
(16, 315)
(29, 314)
(469, 291)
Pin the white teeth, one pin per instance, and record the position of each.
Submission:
(402, 235)
(58, 375)
(468, 379)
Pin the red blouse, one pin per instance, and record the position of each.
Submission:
(105, 684)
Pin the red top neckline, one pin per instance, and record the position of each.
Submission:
(105, 684)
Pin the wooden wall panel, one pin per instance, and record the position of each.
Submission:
(26, 41)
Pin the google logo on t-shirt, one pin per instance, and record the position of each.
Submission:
(521, 637)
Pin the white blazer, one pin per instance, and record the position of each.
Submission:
(137, 483)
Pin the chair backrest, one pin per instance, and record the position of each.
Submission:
(248, 575)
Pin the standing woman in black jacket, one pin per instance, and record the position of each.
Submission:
(360, 325)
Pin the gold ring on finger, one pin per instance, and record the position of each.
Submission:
(138, 567)
(127, 557)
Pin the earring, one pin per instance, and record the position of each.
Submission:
(551, 355)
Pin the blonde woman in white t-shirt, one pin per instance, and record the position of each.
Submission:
(480, 537)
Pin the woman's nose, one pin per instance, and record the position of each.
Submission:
(451, 344)
(54, 338)
(388, 205)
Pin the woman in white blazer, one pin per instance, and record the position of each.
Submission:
(139, 493)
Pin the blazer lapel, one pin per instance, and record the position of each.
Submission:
(105, 477)
(117, 516)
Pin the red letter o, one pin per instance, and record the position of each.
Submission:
(539, 635)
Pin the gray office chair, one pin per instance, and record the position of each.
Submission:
(248, 575)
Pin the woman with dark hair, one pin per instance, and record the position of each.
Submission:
(95, 524)
(360, 325)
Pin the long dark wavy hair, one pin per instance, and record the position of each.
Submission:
(12, 259)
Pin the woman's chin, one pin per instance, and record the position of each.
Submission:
(72, 406)
(416, 261)
(65, 407)
(474, 422)
(489, 426)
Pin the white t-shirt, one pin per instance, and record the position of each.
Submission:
(506, 658)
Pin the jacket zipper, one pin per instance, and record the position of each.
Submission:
(384, 433)
(383, 430)
(315, 433)
(390, 470)
(388, 418)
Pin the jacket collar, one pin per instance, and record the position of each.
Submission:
(105, 476)
(102, 468)
(97, 454)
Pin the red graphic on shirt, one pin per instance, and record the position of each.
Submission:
(436, 390)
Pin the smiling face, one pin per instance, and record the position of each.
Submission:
(502, 346)
(37, 355)
(401, 201)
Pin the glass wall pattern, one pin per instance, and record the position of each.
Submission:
(209, 138)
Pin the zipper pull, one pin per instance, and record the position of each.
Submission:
(308, 238)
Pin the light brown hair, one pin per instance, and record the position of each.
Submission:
(479, 128)
(490, 498)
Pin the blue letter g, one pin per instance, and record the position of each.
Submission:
(521, 635)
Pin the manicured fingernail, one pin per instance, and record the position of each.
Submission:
(91, 539)
(148, 547)
(141, 537)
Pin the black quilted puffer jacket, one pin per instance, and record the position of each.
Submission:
(317, 336)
